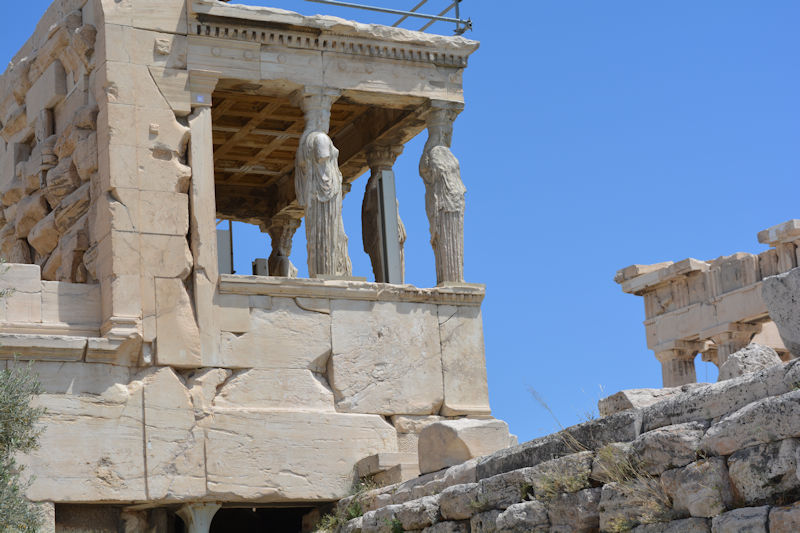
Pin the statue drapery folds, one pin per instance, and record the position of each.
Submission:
(318, 186)
(444, 197)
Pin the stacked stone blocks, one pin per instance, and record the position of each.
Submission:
(716, 458)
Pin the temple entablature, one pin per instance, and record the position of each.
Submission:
(713, 308)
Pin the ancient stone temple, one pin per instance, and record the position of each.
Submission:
(713, 308)
(178, 395)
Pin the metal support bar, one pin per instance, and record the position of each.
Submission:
(414, 9)
(395, 11)
(392, 263)
(445, 10)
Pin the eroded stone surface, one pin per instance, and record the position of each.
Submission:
(669, 447)
(746, 427)
(386, 358)
(575, 512)
(450, 442)
(760, 473)
(284, 336)
(524, 517)
(780, 295)
(463, 363)
(688, 525)
(784, 519)
(752, 358)
(275, 389)
(289, 454)
(634, 399)
(701, 489)
(743, 520)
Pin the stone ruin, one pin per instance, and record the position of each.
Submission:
(687, 458)
(181, 398)
(714, 308)
(177, 393)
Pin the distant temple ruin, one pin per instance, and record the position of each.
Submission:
(177, 394)
(713, 308)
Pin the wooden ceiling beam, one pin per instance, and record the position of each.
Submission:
(268, 109)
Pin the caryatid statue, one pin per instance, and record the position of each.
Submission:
(379, 158)
(281, 231)
(444, 195)
(318, 185)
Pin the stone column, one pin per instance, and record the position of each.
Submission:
(710, 355)
(677, 362)
(318, 186)
(379, 158)
(203, 211)
(198, 516)
(444, 193)
(729, 338)
(281, 231)
(731, 342)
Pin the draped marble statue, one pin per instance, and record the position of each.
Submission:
(281, 231)
(379, 158)
(318, 185)
(444, 196)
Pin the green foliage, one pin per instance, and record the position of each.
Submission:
(559, 480)
(340, 516)
(397, 526)
(18, 433)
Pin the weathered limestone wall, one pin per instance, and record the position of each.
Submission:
(33, 306)
(116, 434)
(388, 350)
(720, 458)
(309, 387)
(48, 152)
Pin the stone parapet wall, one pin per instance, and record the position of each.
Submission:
(720, 457)
(384, 349)
(35, 306)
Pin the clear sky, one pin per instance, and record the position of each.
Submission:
(595, 135)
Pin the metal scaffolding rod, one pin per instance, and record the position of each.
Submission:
(414, 9)
(461, 25)
(448, 8)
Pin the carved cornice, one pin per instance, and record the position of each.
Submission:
(327, 34)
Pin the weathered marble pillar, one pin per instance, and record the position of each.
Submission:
(444, 193)
(729, 338)
(379, 158)
(282, 232)
(677, 362)
(318, 185)
(198, 516)
(731, 342)
(710, 355)
(203, 211)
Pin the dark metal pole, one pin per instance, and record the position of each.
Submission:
(394, 11)
(429, 24)
(404, 17)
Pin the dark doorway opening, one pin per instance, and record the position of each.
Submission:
(259, 520)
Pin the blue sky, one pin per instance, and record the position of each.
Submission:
(595, 135)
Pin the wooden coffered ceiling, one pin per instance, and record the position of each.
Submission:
(256, 137)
